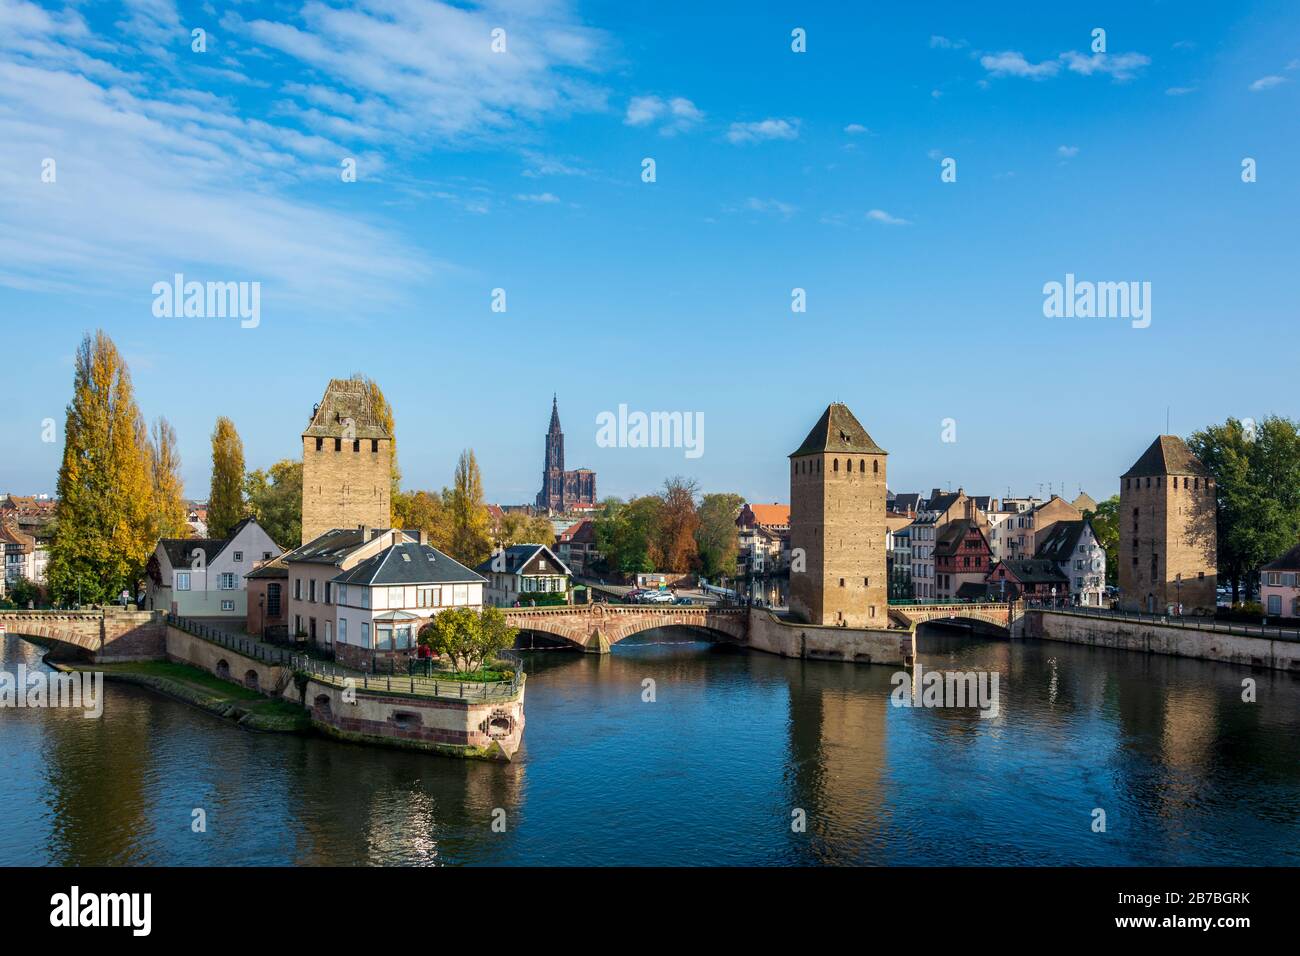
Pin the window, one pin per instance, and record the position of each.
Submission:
(835, 464)
(374, 446)
(329, 633)
(356, 444)
(227, 605)
(297, 589)
(239, 557)
(427, 597)
(182, 580)
(875, 466)
(383, 637)
(273, 600)
(1275, 604)
(365, 633)
(311, 590)
(343, 630)
(266, 555)
(338, 444)
(226, 581)
(328, 596)
(343, 594)
(319, 443)
(395, 597)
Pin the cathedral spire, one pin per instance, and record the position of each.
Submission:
(555, 414)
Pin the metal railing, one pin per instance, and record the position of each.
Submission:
(1173, 620)
(414, 684)
(248, 646)
(337, 675)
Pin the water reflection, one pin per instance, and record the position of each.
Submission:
(710, 771)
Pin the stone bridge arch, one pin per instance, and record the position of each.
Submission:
(595, 628)
(102, 636)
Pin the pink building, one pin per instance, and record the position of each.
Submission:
(1279, 585)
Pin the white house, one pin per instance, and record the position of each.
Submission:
(526, 574)
(1073, 547)
(381, 603)
(204, 577)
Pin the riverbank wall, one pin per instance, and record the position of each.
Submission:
(788, 638)
(1154, 637)
(489, 729)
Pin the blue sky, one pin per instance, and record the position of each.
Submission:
(775, 170)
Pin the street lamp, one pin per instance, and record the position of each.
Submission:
(1053, 597)
(1178, 592)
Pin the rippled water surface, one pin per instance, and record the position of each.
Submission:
(713, 771)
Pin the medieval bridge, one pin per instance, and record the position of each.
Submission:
(103, 635)
(597, 627)
(989, 613)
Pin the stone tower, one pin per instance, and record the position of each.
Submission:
(347, 459)
(1167, 537)
(837, 525)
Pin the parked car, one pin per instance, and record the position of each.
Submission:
(658, 597)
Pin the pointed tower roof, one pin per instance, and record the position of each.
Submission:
(838, 430)
(1168, 455)
(555, 414)
(346, 399)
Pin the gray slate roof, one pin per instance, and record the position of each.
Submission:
(409, 564)
(1061, 541)
(1167, 455)
(838, 430)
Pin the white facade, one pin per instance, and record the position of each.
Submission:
(195, 583)
(389, 617)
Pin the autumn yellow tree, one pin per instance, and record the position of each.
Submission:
(103, 534)
(167, 511)
(226, 499)
(471, 540)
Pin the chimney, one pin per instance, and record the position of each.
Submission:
(423, 536)
(365, 532)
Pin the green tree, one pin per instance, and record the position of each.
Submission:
(169, 518)
(716, 536)
(471, 538)
(226, 499)
(1105, 524)
(23, 592)
(274, 498)
(468, 638)
(1256, 469)
(103, 535)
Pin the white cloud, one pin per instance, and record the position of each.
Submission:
(537, 197)
(767, 129)
(773, 206)
(1069, 152)
(1122, 66)
(1266, 82)
(155, 178)
(856, 129)
(1180, 90)
(943, 43)
(1012, 63)
(879, 215)
(678, 114)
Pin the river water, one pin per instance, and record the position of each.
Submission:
(719, 768)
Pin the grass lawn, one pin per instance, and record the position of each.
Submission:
(184, 674)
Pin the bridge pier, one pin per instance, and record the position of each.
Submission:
(597, 643)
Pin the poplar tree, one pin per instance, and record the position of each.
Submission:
(103, 533)
(226, 499)
(168, 515)
(471, 538)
